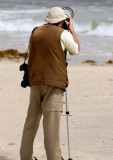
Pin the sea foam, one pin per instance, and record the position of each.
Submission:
(26, 20)
(103, 29)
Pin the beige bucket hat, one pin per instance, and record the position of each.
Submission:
(55, 15)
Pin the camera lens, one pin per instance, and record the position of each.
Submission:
(23, 84)
(21, 67)
(68, 11)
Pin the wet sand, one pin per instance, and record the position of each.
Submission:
(90, 96)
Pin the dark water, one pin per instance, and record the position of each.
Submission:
(50, 3)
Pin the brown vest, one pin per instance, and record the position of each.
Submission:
(47, 60)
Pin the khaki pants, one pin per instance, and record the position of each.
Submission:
(47, 101)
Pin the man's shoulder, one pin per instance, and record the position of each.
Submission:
(66, 34)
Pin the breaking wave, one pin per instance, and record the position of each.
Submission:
(102, 29)
(26, 20)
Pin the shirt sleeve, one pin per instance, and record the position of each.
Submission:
(68, 43)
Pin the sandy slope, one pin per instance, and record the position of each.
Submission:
(91, 107)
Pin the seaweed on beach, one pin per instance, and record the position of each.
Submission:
(89, 61)
(110, 62)
(12, 54)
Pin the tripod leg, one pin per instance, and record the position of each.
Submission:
(67, 115)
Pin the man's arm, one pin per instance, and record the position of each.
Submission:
(71, 28)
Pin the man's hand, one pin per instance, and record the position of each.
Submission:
(70, 24)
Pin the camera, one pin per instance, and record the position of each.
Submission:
(69, 14)
(25, 81)
(64, 26)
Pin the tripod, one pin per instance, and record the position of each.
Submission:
(67, 115)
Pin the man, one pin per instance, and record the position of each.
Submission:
(48, 80)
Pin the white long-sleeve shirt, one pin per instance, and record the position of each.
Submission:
(68, 43)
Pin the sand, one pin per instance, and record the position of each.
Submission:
(90, 96)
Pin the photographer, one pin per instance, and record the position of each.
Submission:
(47, 70)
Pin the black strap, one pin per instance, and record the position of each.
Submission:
(26, 54)
(29, 44)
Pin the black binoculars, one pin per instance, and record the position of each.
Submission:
(25, 81)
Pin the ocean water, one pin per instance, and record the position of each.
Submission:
(93, 24)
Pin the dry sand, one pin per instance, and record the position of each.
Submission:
(90, 96)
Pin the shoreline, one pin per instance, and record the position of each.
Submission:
(14, 54)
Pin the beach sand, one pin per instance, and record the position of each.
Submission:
(90, 97)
